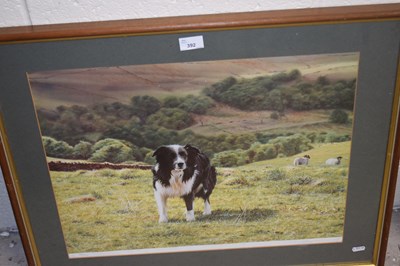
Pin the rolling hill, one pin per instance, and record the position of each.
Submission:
(120, 83)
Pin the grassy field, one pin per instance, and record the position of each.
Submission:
(225, 119)
(109, 210)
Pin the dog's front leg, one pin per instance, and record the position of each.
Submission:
(161, 201)
(189, 207)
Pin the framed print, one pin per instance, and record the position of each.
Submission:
(264, 138)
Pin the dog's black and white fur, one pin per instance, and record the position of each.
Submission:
(182, 171)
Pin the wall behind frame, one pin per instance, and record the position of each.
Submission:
(39, 12)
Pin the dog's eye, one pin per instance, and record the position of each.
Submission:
(182, 154)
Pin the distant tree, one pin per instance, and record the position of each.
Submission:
(56, 148)
(294, 74)
(276, 100)
(323, 81)
(154, 136)
(113, 151)
(171, 102)
(143, 106)
(333, 137)
(217, 89)
(339, 116)
(228, 158)
(171, 118)
(291, 145)
(82, 150)
(149, 159)
(264, 152)
(274, 115)
(244, 141)
(286, 77)
(196, 104)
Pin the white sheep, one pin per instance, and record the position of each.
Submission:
(333, 161)
(302, 160)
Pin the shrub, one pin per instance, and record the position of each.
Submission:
(276, 174)
(143, 106)
(332, 137)
(339, 116)
(149, 159)
(238, 180)
(265, 152)
(300, 180)
(82, 150)
(172, 102)
(274, 115)
(55, 148)
(113, 151)
(291, 145)
(228, 158)
(195, 104)
(171, 118)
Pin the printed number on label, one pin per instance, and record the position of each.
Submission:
(191, 43)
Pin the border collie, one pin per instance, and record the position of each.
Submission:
(182, 171)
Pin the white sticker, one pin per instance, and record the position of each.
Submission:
(358, 249)
(191, 43)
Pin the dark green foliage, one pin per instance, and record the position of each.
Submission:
(72, 124)
(55, 148)
(149, 159)
(189, 103)
(263, 152)
(146, 122)
(277, 174)
(229, 158)
(323, 81)
(143, 106)
(291, 145)
(171, 102)
(82, 150)
(274, 115)
(171, 118)
(215, 90)
(114, 151)
(195, 104)
(285, 146)
(339, 116)
(332, 137)
(283, 91)
(286, 77)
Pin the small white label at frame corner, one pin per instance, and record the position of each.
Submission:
(191, 43)
(358, 249)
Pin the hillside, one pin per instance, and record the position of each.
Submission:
(120, 83)
(225, 119)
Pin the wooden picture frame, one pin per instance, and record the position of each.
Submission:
(371, 32)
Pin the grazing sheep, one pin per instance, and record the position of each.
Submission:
(333, 161)
(302, 161)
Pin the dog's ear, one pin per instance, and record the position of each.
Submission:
(159, 151)
(191, 150)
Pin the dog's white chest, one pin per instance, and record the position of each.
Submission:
(176, 186)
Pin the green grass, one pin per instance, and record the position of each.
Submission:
(108, 210)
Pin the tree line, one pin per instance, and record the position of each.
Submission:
(225, 150)
(283, 91)
(118, 132)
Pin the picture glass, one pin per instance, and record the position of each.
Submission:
(277, 130)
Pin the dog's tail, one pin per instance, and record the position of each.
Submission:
(213, 175)
(210, 182)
